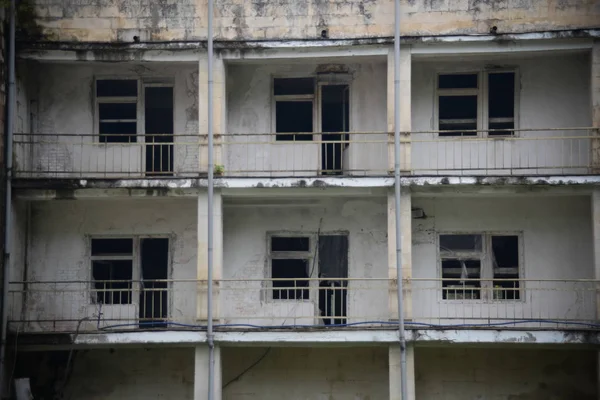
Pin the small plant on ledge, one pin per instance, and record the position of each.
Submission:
(219, 170)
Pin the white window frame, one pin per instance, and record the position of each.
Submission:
(281, 255)
(293, 97)
(142, 84)
(136, 266)
(482, 93)
(138, 100)
(487, 269)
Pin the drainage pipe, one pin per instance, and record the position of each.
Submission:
(399, 277)
(10, 108)
(209, 291)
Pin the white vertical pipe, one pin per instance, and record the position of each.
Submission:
(401, 333)
(209, 292)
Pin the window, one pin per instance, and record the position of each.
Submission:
(480, 266)
(117, 110)
(465, 105)
(132, 271)
(294, 104)
(290, 263)
(112, 270)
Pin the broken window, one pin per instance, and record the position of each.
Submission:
(505, 267)
(290, 265)
(461, 257)
(335, 119)
(478, 266)
(158, 127)
(333, 271)
(122, 266)
(294, 105)
(117, 110)
(112, 270)
(501, 103)
(459, 99)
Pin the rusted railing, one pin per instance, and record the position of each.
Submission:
(549, 151)
(300, 303)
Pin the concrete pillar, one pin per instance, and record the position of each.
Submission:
(201, 373)
(405, 107)
(406, 226)
(595, 98)
(219, 109)
(596, 243)
(395, 370)
(202, 306)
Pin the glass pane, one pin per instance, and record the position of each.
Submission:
(460, 242)
(112, 247)
(289, 243)
(117, 111)
(116, 88)
(289, 288)
(501, 95)
(294, 116)
(457, 81)
(291, 86)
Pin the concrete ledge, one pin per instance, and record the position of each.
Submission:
(56, 189)
(320, 337)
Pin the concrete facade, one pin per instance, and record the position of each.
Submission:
(281, 336)
(237, 20)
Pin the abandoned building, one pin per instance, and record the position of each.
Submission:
(121, 284)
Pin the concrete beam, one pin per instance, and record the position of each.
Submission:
(419, 337)
(81, 189)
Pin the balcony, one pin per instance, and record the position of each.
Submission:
(523, 152)
(68, 306)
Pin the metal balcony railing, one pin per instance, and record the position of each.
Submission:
(518, 152)
(68, 306)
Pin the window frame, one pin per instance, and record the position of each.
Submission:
(142, 84)
(136, 258)
(313, 286)
(293, 98)
(486, 267)
(309, 256)
(482, 93)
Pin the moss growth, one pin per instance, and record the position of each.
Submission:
(27, 27)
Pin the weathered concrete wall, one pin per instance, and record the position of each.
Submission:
(307, 373)
(92, 20)
(505, 374)
(553, 92)
(133, 374)
(250, 111)
(60, 250)
(246, 257)
(556, 245)
(63, 103)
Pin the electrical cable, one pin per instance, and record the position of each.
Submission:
(391, 323)
(240, 375)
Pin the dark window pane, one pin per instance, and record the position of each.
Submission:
(294, 116)
(458, 107)
(289, 243)
(112, 281)
(118, 132)
(112, 246)
(457, 81)
(506, 251)
(291, 86)
(116, 88)
(502, 95)
(288, 288)
(460, 242)
(117, 111)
